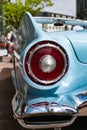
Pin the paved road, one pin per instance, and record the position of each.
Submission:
(7, 122)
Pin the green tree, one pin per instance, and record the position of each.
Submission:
(13, 12)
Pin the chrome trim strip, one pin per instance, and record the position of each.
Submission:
(16, 55)
(80, 98)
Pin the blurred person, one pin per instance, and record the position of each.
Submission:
(9, 40)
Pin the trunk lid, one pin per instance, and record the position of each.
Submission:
(78, 39)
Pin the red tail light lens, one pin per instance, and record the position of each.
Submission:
(46, 62)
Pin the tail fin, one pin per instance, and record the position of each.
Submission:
(33, 30)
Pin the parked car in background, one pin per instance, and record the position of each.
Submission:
(50, 72)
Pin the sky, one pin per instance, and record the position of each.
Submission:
(66, 7)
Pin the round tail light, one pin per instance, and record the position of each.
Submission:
(46, 62)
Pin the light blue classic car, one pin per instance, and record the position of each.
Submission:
(50, 71)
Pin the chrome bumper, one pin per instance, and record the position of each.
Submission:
(47, 115)
(44, 115)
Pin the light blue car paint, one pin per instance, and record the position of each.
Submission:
(63, 97)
